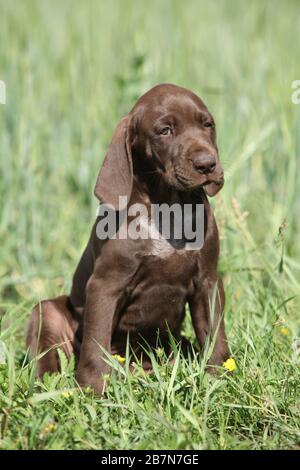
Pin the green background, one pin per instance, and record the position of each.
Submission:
(72, 69)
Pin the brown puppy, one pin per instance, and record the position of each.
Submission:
(163, 151)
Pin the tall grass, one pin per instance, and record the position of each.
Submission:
(72, 70)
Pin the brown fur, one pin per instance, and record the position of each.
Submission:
(137, 286)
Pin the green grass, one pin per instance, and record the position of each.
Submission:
(72, 69)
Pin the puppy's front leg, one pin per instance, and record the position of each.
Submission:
(99, 312)
(207, 308)
(104, 292)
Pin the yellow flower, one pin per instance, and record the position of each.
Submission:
(66, 394)
(105, 377)
(49, 428)
(284, 331)
(119, 358)
(230, 364)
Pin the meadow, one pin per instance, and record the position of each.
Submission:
(72, 69)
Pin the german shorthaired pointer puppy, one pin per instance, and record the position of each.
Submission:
(163, 151)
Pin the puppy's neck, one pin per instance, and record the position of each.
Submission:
(154, 190)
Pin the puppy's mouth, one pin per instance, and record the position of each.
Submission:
(218, 182)
(189, 183)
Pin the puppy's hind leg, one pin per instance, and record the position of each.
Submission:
(52, 324)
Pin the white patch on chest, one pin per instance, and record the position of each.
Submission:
(159, 246)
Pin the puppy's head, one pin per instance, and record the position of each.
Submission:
(172, 132)
(176, 132)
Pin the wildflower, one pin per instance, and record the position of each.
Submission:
(119, 358)
(49, 428)
(230, 364)
(66, 394)
(105, 377)
(159, 352)
(284, 331)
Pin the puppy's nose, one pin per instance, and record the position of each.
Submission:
(205, 164)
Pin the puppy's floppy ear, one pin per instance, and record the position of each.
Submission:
(116, 174)
(212, 189)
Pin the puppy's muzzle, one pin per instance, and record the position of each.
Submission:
(205, 164)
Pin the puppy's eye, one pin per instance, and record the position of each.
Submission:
(209, 124)
(166, 131)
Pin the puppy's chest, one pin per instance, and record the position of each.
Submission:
(160, 288)
(162, 249)
(158, 294)
(168, 246)
(163, 264)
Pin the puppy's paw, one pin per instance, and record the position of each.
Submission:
(215, 365)
(97, 383)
